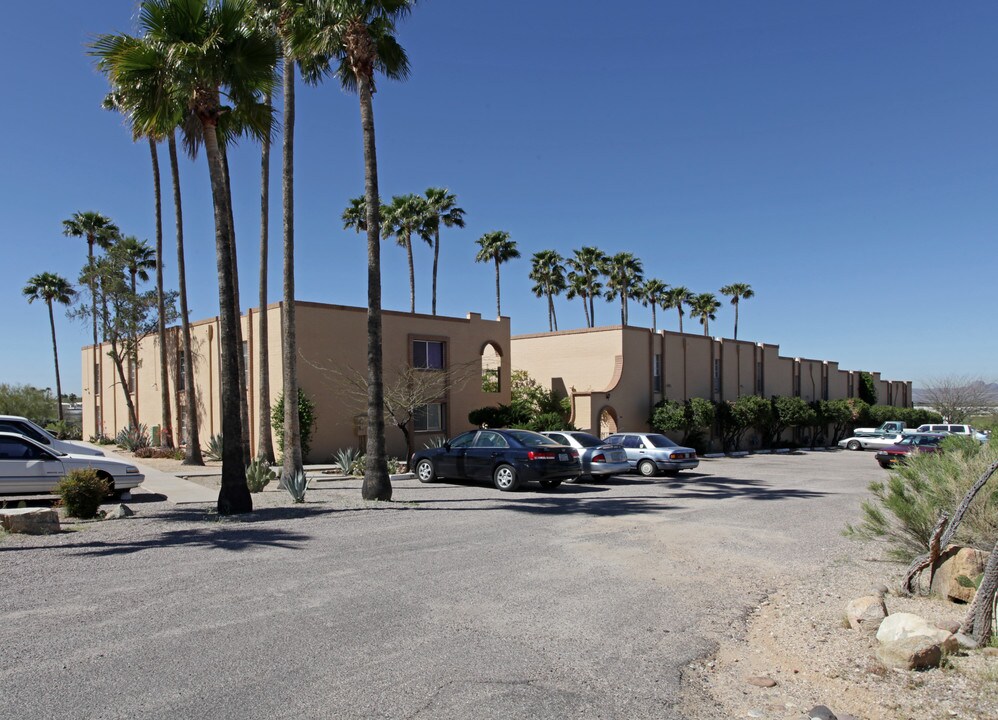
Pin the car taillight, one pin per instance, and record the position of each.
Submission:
(540, 455)
(677, 456)
(599, 458)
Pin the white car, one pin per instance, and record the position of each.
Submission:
(953, 430)
(23, 426)
(599, 459)
(869, 443)
(29, 467)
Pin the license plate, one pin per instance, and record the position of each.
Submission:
(563, 457)
(619, 456)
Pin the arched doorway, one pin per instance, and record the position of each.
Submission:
(491, 368)
(607, 421)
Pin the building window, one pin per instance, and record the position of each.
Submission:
(491, 369)
(717, 376)
(428, 354)
(131, 375)
(824, 387)
(98, 420)
(97, 379)
(246, 365)
(759, 376)
(796, 384)
(656, 373)
(181, 371)
(429, 418)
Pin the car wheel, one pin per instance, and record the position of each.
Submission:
(885, 465)
(425, 472)
(550, 484)
(853, 445)
(111, 492)
(647, 468)
(505, 478)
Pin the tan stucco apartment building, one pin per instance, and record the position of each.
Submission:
(332, 352)
(614, 375)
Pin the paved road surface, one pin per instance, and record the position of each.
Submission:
(456, 602)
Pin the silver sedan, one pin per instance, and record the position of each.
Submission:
(599, 458)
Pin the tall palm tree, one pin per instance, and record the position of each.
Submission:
(441, 207)
(624, 274)
(358, 37)
(586, 264)
(213, 52)
(651, 293)
(98, 230)
(51, 288)
(498, 248)
(578, 287)
(677, 298)
(704, 306)
(548, 274)
(737, 291)
(407, 214)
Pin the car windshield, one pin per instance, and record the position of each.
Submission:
(907, 440)
(660, 441)
(531, 438)
(587, 440)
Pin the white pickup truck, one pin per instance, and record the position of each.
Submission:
(891, 427)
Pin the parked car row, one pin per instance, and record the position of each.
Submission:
(907, 445)
(508, 458)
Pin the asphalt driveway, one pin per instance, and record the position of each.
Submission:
(455, 601)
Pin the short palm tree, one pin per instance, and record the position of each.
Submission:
(355, 215)
(677, 298)
(137, 257)
(498, 248)
(548, 273)
(51, 288)
(651, 293)
(441, 208)
(97, 230)
(586, 265)
(357, 37)
(737, 291)
(704, 306)
(407, 214)
(624, 274)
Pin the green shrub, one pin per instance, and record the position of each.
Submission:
(82, 492)
(258, 475)
(692, 418)
(65, 430)
(159, 453)
(306, 421)
(867, 388)
(905, 508)
(133, 438)
(36, 404)
(214, 449)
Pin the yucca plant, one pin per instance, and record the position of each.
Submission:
(258, 475)
(296, 485)
(214, 449)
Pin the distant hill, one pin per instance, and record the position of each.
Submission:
(978, 389)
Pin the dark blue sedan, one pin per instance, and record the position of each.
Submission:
(506, 457)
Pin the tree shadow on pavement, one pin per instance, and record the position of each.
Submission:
(231, 538)
(719, 488)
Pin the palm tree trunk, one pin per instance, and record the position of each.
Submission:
(233, 496)
(192, 456)
(736, 321)
(436, 257)
(55, 354)
(623, 308)
(551, 324)
(377, 484)
(237, 306)
(498, 306)
(166, 434)
(585, 309)
(592, 312)
(292, 459)
(412, 273)
(554, 315)
(264, 443)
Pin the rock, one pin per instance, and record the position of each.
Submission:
(820, 712)
(951, 626)
(847, 716)
(915, 652)
(880, 590)
(901, 626)
(866, 613)
(955, 561)
(990, 652)
(121, 511)
(30, 521)
(761, 681)
(965, 641)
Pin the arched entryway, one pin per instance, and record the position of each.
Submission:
(491, 368)
(607, 421)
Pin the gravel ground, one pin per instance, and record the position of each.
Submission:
(631, 599)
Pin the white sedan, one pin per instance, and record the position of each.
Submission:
(869, 443)
(28, 467)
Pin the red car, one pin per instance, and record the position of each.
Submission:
(917, 442)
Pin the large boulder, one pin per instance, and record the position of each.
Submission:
(30, 521)
(903, 626)
(866, 613)
(916, 652)
(955, 561)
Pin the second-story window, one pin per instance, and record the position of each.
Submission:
(428, 354)
(656, 373)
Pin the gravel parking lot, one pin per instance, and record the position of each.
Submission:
(453, 601)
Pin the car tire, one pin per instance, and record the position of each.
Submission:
(425, 472)
(550, 484)
(853, 445)
(505, 478)
(885, 465)
(647, 468)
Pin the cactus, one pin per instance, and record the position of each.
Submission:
(258, 475)
(296, 485)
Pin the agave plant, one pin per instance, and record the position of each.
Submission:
(346, 458)
(258, 475)
(133, 438)
(296, 485)
(214, 449)
(435, 442)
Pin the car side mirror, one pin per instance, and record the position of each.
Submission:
(446, 446)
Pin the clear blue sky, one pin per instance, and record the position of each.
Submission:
(842, 158)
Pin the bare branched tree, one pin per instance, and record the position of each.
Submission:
(958, 397)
